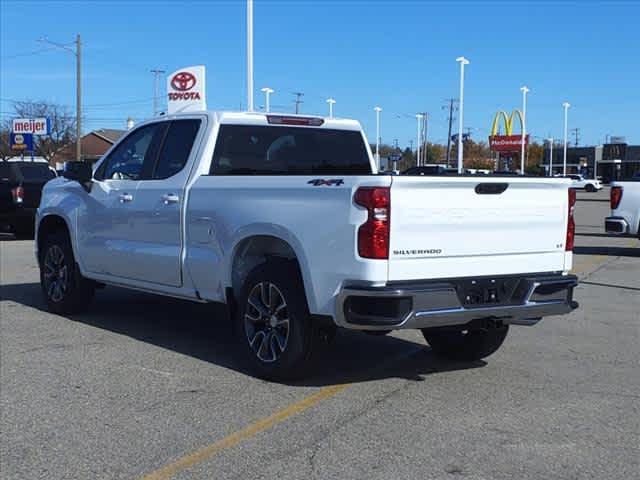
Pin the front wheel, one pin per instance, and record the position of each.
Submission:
(65, 289)
(466, 344)
(273, 323)
(590, 188)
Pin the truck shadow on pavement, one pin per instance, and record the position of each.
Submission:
(608, 251)
(203, 331)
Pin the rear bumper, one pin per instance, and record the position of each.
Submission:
(525, 300)
(616, 225)
(23, 215)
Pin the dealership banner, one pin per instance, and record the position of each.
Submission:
(507, 143)
(186, 90)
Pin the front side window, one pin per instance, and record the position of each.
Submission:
(274, 150)
(136, 151)
(176, 148)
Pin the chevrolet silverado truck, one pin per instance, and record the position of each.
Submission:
(286, 220)
(625, 209)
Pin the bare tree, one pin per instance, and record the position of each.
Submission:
(63, 126)
(5, 141)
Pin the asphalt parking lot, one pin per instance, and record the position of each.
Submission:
(143, 387)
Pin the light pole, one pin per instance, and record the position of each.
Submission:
(419, 119)
(250, 55)
(463, 61)
(377, 110)
(524, 91)
(267, 92)
(78, 54)
(551, 157)
(331, 102)
(566, 106)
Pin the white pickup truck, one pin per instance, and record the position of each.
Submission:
(625, 209)
(285, 219)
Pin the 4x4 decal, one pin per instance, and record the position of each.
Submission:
(319, 182)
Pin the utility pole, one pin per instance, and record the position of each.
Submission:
(78, 101)
(298, 100)
(78, 54)
(156, 89)
(451, 107)
(576, 136)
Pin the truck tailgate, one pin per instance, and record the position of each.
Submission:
(444, 227)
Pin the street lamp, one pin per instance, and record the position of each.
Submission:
(524, 91)
(377, 110)
(78, 55)
(418, 118)
(566, 106)
(463, 61)
(331, 102)
(551, 157)
(267, 91)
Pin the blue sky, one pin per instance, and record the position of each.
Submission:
(400, 55)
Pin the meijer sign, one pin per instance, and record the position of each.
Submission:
(37, 126)
(186, 90)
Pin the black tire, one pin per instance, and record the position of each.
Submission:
(466, 345)
(590, 188)
(73, 292)
(265, 327)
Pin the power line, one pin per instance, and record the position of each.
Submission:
(452, 106)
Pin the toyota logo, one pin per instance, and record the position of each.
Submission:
(183, 81)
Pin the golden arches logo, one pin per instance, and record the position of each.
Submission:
(508, 122)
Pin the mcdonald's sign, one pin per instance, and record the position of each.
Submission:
(507, 141)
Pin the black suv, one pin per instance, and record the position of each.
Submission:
(21, 185)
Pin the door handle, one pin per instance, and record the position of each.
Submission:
(170, 198)
(125, 197)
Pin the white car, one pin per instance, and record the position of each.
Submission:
(285, 219)
(587, 184)
(625, 209)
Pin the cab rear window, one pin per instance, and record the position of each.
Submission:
(271, 150)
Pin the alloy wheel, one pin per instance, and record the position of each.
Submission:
(266, 322)
(56, 274)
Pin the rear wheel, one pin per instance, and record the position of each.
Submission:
(590, 188)
(273, 323)
(466, 343)
(64, 288)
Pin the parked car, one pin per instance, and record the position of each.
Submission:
(284, 219)
(21, 184)
(581, 183)
(431, 169)
(625, 209)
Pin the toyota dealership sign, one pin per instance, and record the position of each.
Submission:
(186, 90)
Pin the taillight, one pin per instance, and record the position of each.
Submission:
(616, 196)
(373, 235)
(17, 194)
(571, 224)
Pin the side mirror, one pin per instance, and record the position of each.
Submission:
(81, 172)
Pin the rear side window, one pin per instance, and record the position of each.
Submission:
(31, 172)
(176, 148)
(269, 150)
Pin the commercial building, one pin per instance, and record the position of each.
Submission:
(94, 145)
(612, 161)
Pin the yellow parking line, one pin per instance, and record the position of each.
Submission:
(249, 431)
